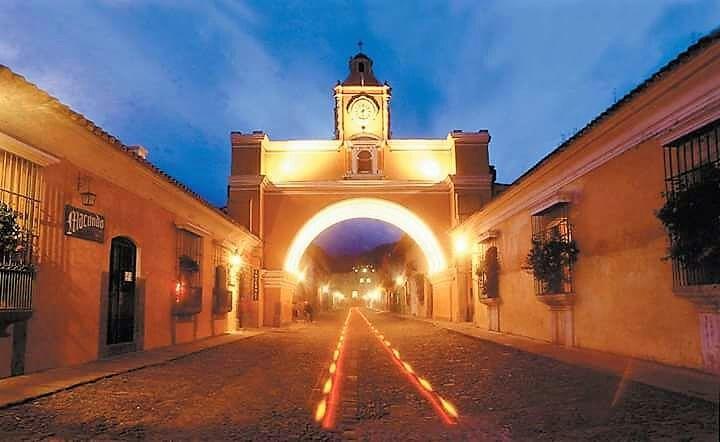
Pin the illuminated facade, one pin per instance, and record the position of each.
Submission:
(287, 192)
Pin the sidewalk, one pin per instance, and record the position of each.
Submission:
(23, 388)
(679, 380)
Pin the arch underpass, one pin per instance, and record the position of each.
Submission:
(373, 208)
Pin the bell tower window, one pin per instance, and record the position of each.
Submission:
(361, 67)
(364, 162)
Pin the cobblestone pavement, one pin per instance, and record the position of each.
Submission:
(266, 388)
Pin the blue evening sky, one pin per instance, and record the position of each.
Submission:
(177, 75)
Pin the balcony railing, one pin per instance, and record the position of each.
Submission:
(16, 286)
(685, 161)
(189, 302)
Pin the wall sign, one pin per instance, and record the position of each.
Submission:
(82, 224)
(255, 284)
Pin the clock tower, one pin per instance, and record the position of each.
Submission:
(362, 119)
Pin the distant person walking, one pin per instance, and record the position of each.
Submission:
(308, 310)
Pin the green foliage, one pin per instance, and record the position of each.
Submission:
(488, 273)
(549, 261)
(10, 232)
(691, 215)
(187, 264)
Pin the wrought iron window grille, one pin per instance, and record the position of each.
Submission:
(686, 162)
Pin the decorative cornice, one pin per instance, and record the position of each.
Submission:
(442, 144)
(552, 200)
(488, 235)
(26, 151)
(247, 181)
(680, 120)
(193, 228)
(359, 186)
(114, 142)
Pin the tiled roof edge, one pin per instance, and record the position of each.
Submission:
(115, 142)
(702, 43)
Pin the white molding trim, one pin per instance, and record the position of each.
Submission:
(704, 109)
(359, 186)
(423, 145)
(246, 180)
(26, 151)
(552, 200)
(225, 244)
(694, 120)
(273, 146)
(488, 235)
(193, 228)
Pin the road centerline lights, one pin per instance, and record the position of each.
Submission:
(445, 409)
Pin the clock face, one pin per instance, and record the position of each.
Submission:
(363, 109)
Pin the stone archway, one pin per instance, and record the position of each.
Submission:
(287, 191)
(373, 208)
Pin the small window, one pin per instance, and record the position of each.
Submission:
(361, 67)
(364, 162)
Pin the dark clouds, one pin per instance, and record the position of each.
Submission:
(177, 76)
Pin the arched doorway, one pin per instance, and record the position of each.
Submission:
(121, 292)
(373, 208)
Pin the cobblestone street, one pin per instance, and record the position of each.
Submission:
(267, 387)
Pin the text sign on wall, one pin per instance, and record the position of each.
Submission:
(255, 284)
(82, 224)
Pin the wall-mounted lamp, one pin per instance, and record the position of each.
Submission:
(235, 259)
(460, 244)
(83, 186)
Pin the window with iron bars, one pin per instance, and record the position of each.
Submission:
(20, 192)
(689, 163)
(188, 292)
(553, 225)
(222, 295)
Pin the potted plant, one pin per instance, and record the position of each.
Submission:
(691, 215)
(549, 261)
(487, 275)
(10, 234)
(187, 264)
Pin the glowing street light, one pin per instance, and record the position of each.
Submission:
(460, 244)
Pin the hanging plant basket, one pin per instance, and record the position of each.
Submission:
(549, 262)
(691, 215)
